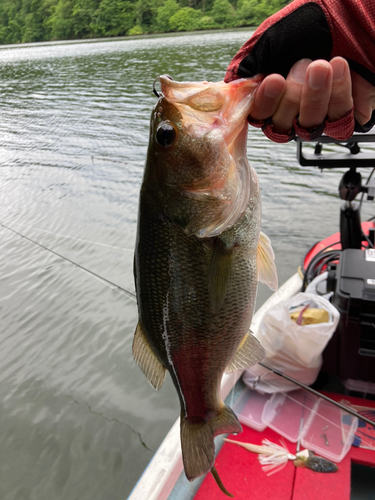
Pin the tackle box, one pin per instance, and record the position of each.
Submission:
(351, 352)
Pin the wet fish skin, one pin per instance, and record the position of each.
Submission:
(196, 262)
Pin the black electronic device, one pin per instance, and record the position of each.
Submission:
(351, 351)
(350, 354)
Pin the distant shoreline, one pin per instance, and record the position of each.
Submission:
(125, 37)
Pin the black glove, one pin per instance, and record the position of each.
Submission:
(314, 29)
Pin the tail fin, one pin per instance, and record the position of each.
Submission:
(197, 441)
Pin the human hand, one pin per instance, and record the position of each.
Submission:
(305, 98)
(312, 93)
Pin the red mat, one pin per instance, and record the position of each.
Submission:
(243, 476)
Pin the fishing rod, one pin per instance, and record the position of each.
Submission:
(133, 296)
(107, 281)
(319, 394)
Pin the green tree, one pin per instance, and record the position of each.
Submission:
(164, 13)
(36, 20)
(11, 21)
(185, 19)
(14, 31)
(135, 30)
(83, 17)
(113, 18)
(146, 13)
(254, 12)
(35, 13)
(223, 13)
(60, 22)
(207, 22)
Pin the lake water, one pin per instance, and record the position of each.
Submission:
(78, 420)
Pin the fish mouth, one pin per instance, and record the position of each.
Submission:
(211, 108)
(216, 113)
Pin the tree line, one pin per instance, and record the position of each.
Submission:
(23, 21)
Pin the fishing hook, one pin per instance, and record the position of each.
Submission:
(154, 89)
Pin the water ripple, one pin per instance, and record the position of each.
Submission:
(77, 417)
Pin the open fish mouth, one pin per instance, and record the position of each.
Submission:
(214, 114)
(216, 108)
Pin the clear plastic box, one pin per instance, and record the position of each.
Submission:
(359, 386)
(249, 408)
(329, 431)
(287, 413)
(321, 426)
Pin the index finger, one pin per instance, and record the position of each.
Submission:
(267, 97)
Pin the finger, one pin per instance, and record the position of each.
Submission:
(290, 102)
(315, 94)
(267, 97)
(363, 98)
(341, 101)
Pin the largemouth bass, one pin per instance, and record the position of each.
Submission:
(199, 254)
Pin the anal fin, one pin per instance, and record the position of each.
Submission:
(249, 353)
(147, 360)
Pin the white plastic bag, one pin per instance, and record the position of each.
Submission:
(294, 349)
(319, 282)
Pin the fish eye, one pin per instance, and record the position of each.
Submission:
(165, 134)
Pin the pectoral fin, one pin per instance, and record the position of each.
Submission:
(267, 273)
(249, 353)
(146, 359)
(220, 271)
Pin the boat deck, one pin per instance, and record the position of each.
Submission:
(243, 476)
(239, 469)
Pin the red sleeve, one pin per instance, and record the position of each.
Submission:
(317, 29)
